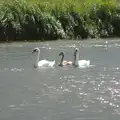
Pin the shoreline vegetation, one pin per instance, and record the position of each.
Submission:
(58, 19)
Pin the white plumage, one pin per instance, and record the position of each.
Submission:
(42, 63)
(80, 63)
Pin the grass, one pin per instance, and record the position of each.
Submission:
(58, 19)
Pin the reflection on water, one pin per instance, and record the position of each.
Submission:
(60, 93)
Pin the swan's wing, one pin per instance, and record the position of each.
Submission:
(42, 63)
(88, 62)
(84, 62)
(67, 63)
(46, 63)
(51, 63)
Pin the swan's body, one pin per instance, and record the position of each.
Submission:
(67, 62)
(45, 63)
(64, 62)
(83, 63)
(80, 63)
(42, 63)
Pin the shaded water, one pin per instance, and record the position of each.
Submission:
(61, 93)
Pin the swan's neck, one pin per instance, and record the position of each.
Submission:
(61, 62)
(76, 59)
(37, 59)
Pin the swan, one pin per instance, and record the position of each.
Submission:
(80, 63)
(42, 63)
(64, 62)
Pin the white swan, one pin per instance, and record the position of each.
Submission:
(80, 63)
(42, 63)
(64, 62)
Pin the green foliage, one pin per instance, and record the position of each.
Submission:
(58, 19)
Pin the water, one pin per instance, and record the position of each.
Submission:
(60, 93)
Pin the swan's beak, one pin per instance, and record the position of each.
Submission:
(60, 54)
(33, 51)
(76, 49)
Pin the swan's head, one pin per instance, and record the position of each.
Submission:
(76, 51)
(61, 53)
(36, 50)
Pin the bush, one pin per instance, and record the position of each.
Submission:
(51, 20)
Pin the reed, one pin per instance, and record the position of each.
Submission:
(58, 19)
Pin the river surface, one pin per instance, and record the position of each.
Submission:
(60, 93)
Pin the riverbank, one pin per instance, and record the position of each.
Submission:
(57, 19)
